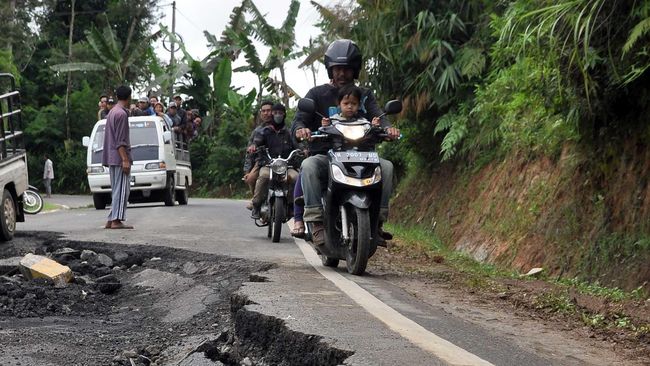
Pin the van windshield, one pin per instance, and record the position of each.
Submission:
(144, 141)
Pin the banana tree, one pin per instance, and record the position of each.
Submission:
(281, 41)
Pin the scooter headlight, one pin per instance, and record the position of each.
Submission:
(279, 167)
(340, 177)
(352, 132)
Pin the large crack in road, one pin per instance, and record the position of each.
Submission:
(151, 306)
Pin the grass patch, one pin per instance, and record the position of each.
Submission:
(427, 241)
(614, 294)
(47, 206)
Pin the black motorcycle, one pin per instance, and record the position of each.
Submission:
(351, 202)
(276, 209)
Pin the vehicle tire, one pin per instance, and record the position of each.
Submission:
(168, 194)
(7, 216)
(32, 202)
(359, 248)
(328, 261)
(279, 210)
(99, 201)
(183, 195)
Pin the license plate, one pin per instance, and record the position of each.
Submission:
(132, 180)
(357, 156)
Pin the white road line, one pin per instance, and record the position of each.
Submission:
(406, 327)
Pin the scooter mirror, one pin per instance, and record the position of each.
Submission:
(393, 107)
(306, 105)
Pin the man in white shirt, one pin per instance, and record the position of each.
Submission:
(48, 175)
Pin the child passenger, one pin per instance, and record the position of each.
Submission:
(349, 101)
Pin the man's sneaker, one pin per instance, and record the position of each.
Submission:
(255, 213)
(249, 206)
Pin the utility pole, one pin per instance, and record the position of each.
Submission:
(69, 86)
(171, 62)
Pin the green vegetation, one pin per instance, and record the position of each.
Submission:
(531, 113)
(423, 240)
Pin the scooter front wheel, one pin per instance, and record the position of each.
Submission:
(278, 218)
(360, 240)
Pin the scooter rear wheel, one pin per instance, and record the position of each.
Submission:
(359, 247)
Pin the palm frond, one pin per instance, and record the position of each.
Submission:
(77, 66)
(636, 34)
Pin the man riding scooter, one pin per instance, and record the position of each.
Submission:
(277, 139)
(343, 61)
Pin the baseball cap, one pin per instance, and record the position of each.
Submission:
(172, 105)
(110, 101)
(143, 99)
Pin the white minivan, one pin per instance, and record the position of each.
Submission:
(161, 169)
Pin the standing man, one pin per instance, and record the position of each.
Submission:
(48, 175)
(117, 157)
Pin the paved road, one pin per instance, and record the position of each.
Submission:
(380, 322)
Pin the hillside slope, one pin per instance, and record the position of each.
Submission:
(575, 216)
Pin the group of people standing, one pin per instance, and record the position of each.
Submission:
(186, 123)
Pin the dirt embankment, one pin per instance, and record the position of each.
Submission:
(574, 216)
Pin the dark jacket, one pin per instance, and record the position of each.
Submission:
(278, 142)
(325, 96)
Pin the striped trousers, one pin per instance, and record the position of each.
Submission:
(120, 189)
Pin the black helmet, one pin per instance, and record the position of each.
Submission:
(343, 52)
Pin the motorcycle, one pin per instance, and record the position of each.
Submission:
(351, 201)
(276, 209)
(32, 201)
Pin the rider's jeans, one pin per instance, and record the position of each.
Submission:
(262, 185)
(314, 174)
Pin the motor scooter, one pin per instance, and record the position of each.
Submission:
(351, 200)
(276, 209)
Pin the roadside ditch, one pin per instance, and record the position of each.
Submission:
(141, 305)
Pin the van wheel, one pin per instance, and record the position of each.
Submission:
(7, 216)
(168, 195)
(183, 195)
(99, 201)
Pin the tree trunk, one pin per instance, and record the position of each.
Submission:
(285, 93)
(69, 86)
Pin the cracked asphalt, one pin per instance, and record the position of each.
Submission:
(290, 290)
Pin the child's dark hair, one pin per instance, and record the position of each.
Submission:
(349, 90)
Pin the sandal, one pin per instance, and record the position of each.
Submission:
(298, 230)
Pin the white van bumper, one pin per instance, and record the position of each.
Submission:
(140, 181)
